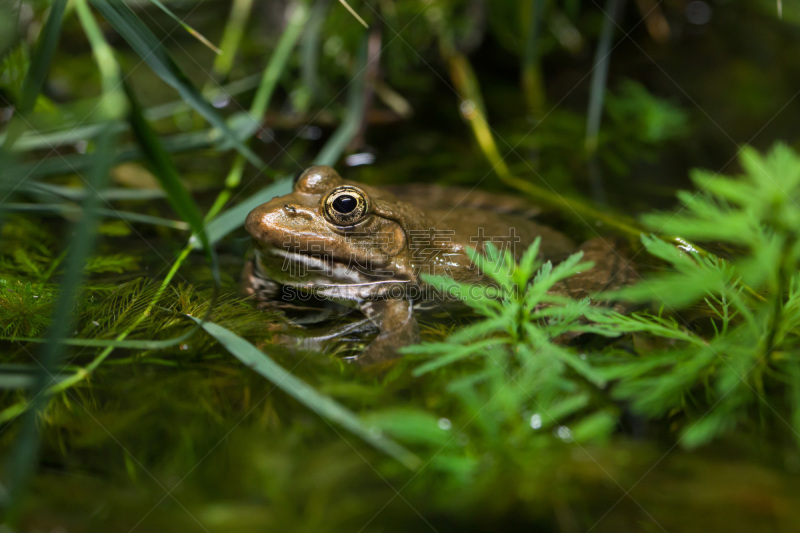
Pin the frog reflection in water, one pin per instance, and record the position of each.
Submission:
(368, 246)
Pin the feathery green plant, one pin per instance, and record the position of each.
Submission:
(743, 347)
(521, 362)
(722, 347)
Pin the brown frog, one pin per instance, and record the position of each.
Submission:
(368, 246)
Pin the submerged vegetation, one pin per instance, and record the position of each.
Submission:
(141, 389)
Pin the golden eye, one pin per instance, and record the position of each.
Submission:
(346, 205)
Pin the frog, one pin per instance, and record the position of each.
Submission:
(368, 247)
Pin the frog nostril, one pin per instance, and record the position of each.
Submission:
(293, 212)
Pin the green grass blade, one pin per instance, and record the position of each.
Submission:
(39, 67)
(71, 163)
(79, 193)
(232, 37)
(269, 79)
(597, 91)
(142, 344)
(353, 12)
(333, 149)
(112, 105)
(67, 209)
(191, 31)
(602, 60)
(307, 395)
(309, 50)
(9, 32)
(69, 134)
(149, 48)
(22, 459)
(167, 175)
(71, 131)
(21, 376)
(233, 218)
(278, 61)
(531, 63)
(42, 56)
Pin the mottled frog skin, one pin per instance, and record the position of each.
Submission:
(368, 246)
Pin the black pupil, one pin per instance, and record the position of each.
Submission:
(345, 204)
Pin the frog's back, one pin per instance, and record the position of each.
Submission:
(472, 216)
(429, 197)
(471, 227)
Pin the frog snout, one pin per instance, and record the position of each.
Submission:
(260, 223)
(272, 220)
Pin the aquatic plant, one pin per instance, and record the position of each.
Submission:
(721, 344)
(742, 331)
(525, 374)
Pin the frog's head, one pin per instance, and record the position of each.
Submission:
(328, 231)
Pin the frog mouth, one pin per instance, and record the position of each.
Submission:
(349, 268)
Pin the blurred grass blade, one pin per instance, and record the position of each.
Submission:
(333, 149)
(79, 193)
(142, 344)
(597, 91)
(70, 134)
(71, 163)
(233, 218)
(191, 31)
(278, 60)
(71, 131)
(232, 37)
(9, 22)
(141, 218)
(167, 175)
(602, 59)
(307, 395)
(42, 57)
(531, 65)
(309, 50)
(149, 48)
(352, 11)
(466, 83)
(14, 376)
(472, 107)
(269, 79)
(68, 209)
(22, 459)
(38, 69)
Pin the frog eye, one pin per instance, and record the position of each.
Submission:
(346, 205)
